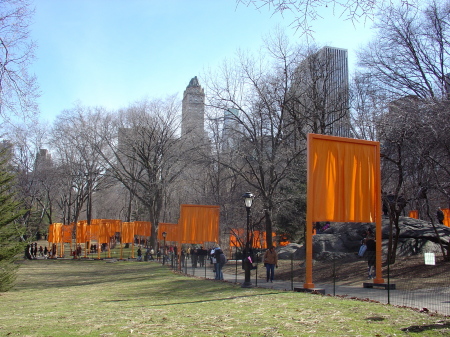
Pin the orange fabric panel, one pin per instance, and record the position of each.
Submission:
(81, 232)
(127, 232)
(260, 239)
(343, 178)
(57, 232)
(143, 228)
(284, 241)
(50, 233)
(67, 233)
(414, 214)
(172, 231)
(446, 212)
(115, 227)
(199, 223)
(107, 229)
(94, 230)
(103, 232)
(237, 236)
(344, 185)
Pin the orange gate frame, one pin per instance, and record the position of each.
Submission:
(343, 185)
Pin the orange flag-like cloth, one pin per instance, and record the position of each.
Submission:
(50, 233)
(67, 233)
(344, 180)
(171, 230)
(142, 228)
(127, 232)
(57, 232)
(199, 224)
(446, 212)
(94, 230)
(81, 231)
(414, 214)
(103, 232)
(237, 237)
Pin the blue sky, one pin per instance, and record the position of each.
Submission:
(114, 52)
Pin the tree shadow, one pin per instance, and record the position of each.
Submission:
(421, 328)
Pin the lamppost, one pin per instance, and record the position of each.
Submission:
(164, 234)
(248, 198)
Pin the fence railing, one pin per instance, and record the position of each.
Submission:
(409, 282)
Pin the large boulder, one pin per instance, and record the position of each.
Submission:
(343, 239)
(292, 250)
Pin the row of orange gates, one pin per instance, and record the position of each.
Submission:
(415, 215)
(198, 224)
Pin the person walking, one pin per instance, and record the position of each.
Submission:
(217, 254)
(270, 260)
(139, 254)
(371, 254)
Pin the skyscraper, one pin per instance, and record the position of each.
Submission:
(230, 128)
(321, 87)
(193, 111)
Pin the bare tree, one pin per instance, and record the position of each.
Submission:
(255, 95)
(415, 161)
(395, 131)
(78, 160)
(403, 79)
(410, 52)
(33, 170)
(367, 106)
(18, 89)
(143, 153)
(306, 11)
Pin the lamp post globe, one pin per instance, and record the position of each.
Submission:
(247, 264)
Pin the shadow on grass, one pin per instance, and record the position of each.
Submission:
(148, 280)
(201, 301)
(72, 273)
(422, 328)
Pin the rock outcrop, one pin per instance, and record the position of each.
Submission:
(342, 239)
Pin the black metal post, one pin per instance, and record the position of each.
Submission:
(247, 265)
(164, 251)
(236, 262)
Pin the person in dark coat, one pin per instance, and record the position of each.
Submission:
(371, 255)
(219, 258)
(139, 254)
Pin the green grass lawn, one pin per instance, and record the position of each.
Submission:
(99, 298)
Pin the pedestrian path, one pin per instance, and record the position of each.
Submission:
(433, 299)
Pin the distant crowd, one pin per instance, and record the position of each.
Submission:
(33, 252)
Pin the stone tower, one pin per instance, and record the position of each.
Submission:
(193, 111)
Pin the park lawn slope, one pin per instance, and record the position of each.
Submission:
(100, 298)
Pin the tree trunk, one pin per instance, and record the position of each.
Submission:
(268, 216)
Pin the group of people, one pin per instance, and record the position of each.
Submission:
(149, 254)
(33, 252)
(218, 260)
(198, 256)
(270, 260)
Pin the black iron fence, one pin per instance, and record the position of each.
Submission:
(420, 282)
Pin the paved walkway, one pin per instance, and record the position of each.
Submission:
(433, 299)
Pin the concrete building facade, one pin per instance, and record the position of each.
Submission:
(322, 88)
